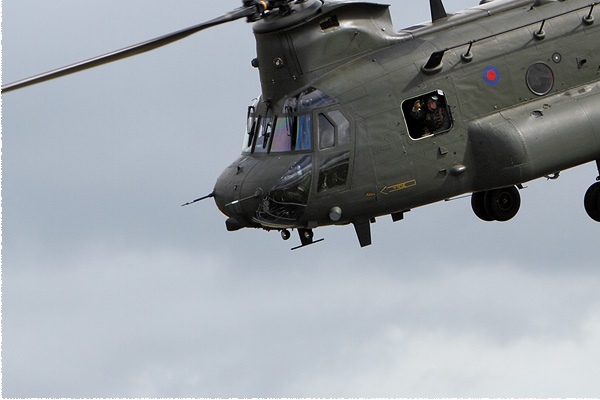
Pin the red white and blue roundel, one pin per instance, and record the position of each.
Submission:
(491, 75)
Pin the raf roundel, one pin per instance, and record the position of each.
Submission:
(491, 75)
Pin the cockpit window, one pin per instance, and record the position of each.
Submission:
(284, 134)
(343, 126)
(292, 133)
(303, 141)
(313, 98)
(286, 201)
(291, 130)
(326, 132)
(333, 129)
(263, 135)
(250, 127)
(334, 136)
(333, 171)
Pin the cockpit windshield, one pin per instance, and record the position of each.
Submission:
(288, 131)
(291, 133)
(312, 129)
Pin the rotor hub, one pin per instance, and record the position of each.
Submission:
(290, 14)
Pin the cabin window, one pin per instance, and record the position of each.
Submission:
(540, 79)
(427, 115)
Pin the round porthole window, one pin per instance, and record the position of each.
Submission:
(540, 79)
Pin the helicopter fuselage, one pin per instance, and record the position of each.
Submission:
(343, 131)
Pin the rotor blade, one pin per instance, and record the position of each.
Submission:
(129, 51)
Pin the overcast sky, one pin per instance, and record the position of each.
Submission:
(111, 289)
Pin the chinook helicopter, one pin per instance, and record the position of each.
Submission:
(358, 120)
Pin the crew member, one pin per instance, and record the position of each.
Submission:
(434, 116)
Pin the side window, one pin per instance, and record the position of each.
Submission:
(326, 132)
(427, 115)
(343, 127)
(333, 129)
(540, 79)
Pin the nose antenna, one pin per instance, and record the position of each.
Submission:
(211, 194)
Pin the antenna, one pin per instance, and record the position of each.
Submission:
(437, 10)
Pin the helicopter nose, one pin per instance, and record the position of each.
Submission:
(264, 191)
(235, 197)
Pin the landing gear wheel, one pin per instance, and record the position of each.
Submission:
(591, 201)
(503, 204)
(285, 234)
(478, 206)
(496, 205)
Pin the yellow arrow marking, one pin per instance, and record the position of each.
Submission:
(399, 186)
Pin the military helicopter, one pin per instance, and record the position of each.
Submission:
(358, 120)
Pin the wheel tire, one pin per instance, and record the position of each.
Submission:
(478, 206)
(503, 204)
(591, 201)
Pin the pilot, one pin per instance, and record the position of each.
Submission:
(434, 116)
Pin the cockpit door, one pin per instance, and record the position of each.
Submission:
(333, 144)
